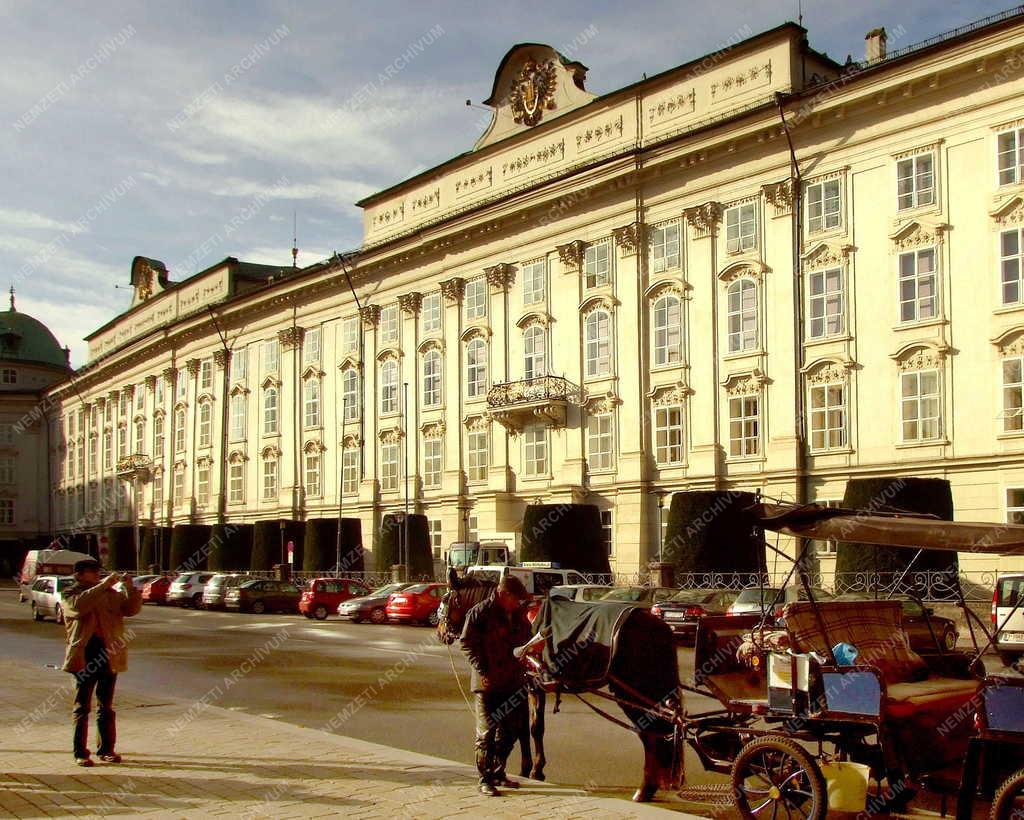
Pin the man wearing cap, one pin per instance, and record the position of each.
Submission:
(494, 628)
(94, 614)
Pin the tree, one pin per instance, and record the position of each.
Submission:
(710, 531)
(419, 557)
(230, 547)
(120, 548)
(321, 540)
(189, 547)
(569, 535)
(266, 546)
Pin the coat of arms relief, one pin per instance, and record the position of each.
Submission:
(533, 92)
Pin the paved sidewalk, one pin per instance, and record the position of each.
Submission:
(226, 763)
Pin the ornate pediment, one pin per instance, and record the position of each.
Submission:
(270, 381)
(313, 447)
(532, 318)
(352, 441)
(920, 355)
(605, 402)
(239, 390)
(433, 429)
(743, 269)
(1009, 212)
(270, 452)
(350, 363)
(431, 344)
(389, 353)
(1010, 342)
(918, 233)
(476, 332)
(148, 278)
(392, 435)
(601, 301)
(312, 371)
(826, 255)
(827, 371)
(666, 395)
(662, 286)
(478, 423)
(748, 383)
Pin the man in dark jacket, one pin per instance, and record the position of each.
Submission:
(495, 627)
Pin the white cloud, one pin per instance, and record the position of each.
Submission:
(30, 220)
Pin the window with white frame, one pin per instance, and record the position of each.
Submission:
(238, 414)
(600, 449)
(158, 494)
(93, 452)
(826, 309)
(432, 378)
(205, 434)
(664, 247)
(181, 385)
(81, 459)
(535, 451)
(179, 486)
(473, 529)
(1015, 505)
(827, 547)
(179, 431)
(6, 510)
(140, 397)
(158, 435)
(828, 416)
(350, 335)
(311, 346)
(1010, 156)
(915, 181)
(824, 205)
(1011, 264)
(8, 375)
(741, 228)
(311, 402)
(668, 434)
(350, 471)
(477, 455)
(312, 482)
(919, 297)
(140, 436)
(108, 450)
(742, 315)
(350, 394)
(6, 469)
(389, 324)
(534, 352)
(1013, 394)
(535, 276)
(389, 467)
(160, 391)
(608, 532)
(239, 365)
(270, 417)
(271, 357)
(744, 426)
(598, 345)
(476, 369)
(436, 543)
(203, 486)
(206, 376)
(475, 299)
(597, 264)
(270, 478)
(236, 482)
(432, 462)
(122, 439)
(389, 387)
(668, 330)
(430, 313)
(921, 405)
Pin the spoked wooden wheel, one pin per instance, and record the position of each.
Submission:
(774, 778)
(1008, 803)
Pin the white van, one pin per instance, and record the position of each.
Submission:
(538, 580)
(46, 562)
(1009, 642)
(476, 553)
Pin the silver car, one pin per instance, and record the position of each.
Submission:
(46, 596)
(187, 589)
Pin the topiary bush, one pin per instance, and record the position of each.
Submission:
(189, 547)
(710, 531)
(266, 546)
(148, 551)
(353, 559)
(419, 557)
(565, 534)
(320, 544)
(230, 547)
(120, 548)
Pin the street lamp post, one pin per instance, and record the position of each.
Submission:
(405, 465)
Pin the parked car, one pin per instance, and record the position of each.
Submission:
(259, 596)
(537, 580)
(45, 596)
(416, 604)
(217, 587)
(37, 563)
(581, 592)
(683, 611)
(140, 581)
(755, 600)
(371, 607)
(187, 589)
(324, 595)
(916, 620)
(155, 591)
(1008, 617)
(641, 596)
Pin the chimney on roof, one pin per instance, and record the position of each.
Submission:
(874, 48)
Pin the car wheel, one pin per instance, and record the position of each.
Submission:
(379, 616)
(434, 618)
(258, 607)
(197, 601)
(949, 638)
(320, 613)
(356, 619)
(59, 614)
(36, 614)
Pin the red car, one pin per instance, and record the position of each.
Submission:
(155, 592)
(417, 604)
(324, 594)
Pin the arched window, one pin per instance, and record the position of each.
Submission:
(179, 430)
(432, 378)
(668, 330)
(742, 303)
(476, 368)
(597, 335)
(534, 352)
(270, 411)
(205, 424)
(311, 403)
(350, 394)
(389, 387)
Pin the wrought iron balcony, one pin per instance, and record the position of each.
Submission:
(544, 399)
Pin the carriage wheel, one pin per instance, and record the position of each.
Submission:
(1008, 804)
(774, 777)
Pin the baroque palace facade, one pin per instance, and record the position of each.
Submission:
(607, 300)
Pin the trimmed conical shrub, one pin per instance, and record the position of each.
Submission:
(353, 559)
(147, 552)
(710, 531)
(419, 556)
(189, 547)
(320, 544)
(266, 546)
(120, 548)
(230, 547)
(568, 535)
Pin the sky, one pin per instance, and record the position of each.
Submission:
(188, 131)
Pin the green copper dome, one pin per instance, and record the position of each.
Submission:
(25, 339)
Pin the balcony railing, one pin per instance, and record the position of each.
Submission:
(544, 399)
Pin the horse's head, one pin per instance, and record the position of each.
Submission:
(463, 594)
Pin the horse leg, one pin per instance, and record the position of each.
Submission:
(652, 771)
(523, 735)
(537, 703)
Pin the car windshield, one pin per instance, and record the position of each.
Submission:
(216, 582)
(64, 583)
(1009, 590)
(628, 594)
(692, 596)
(390, 588)
(756, 595)
(594, 593)
(418, 588)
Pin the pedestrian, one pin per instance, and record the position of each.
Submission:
(493, 629)
(94, 613)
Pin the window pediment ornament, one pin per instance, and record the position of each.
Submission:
(389, 353)
(312, 372)
(748, 383)
(478, 424)
(743, 268)
(204, 398)
(392, 435)
(500, 276)
(350, 363)
(369, 315)
(179, 406)
(239, 390)
(1010, 342)
(431, 344)
(703, 219)
(780, 196)
(630, 237)
(827, 369)
(270, 452)
(474, 332)
(571, 254)
(663, 286)
(603, 402)
(352, 441)
(313, 447)
(920, 355)
(204, 461)
(918, 149)
(670, 394)
(453, 289)
(918, 233)
(600, 301)
(410, 302)
(237, 457)
(533, 318)
(827, 255)
(270, 381)
(433, 430)
(1009, 212)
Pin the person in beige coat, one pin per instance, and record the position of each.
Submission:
(94, 614)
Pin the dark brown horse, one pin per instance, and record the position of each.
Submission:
(643, 677)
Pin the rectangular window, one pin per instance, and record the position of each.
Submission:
(179, 487)
(436, 536)
(597, 264)
(473, 529)
(826, 303)
(206, 376)
(238, 413)
(664, 247)
(389, 328)
(535, 451)
(122, 440)
(140, 397)
(6, 470)
(744, 426)
(1013, 395)
(668, 435)
(477, 455)
(607, 533)
(824, 206)
(6, 433)
(239, 365)
(312, 474)
(432, 462)
(140, 436)
(350, 335)
(160, 391)
(179, 431)
(270, 479)
(828, 417)
(1010, 154)
(350, 395)
(741, 228)
(430, 312)
(915, 181)
(158, 495)
(1015, 506)
(181, 385)
(6, 510)
(475, 299)
(1011, 264)
(350, 471)
(8, 376)
(535, 275)
(271, 357)
(93, 452)
(918, 285)
(108, 450)
(600, 454)
(205, 434)
(158, 436)
(236, 483)
(311, 403)
(203, 486)
(311, 346)
(920, 405)
(389, 467)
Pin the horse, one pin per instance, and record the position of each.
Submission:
(643, 678)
